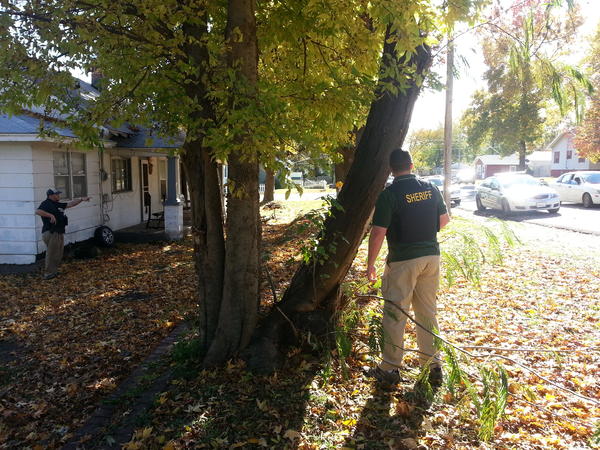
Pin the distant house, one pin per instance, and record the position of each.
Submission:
(488, 165)
(539, 163)
(565, 157)
(131, 179)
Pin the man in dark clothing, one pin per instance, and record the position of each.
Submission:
(409, 213)
(54, 222)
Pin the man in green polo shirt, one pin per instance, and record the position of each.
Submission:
(409, 213)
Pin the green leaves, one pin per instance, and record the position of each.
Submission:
(525, 76)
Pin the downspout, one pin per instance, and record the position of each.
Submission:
(101, 181)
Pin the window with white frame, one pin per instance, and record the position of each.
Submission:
(70, 174)
(121, 174)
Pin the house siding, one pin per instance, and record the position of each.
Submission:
(124, 209)
(27, 171)
(562, 146)
(17, 205)
(121, 209)
(83, 218)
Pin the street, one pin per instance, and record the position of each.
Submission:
(570, 216)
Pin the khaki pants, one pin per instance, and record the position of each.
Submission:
(415, 282)
(55, 244)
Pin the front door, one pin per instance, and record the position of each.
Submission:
(145, 190)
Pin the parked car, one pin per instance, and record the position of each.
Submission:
(515, 192)
(579, 187)
(455, 196)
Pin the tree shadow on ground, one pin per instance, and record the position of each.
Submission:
(231, 406)
(391, 418)
(517, 216)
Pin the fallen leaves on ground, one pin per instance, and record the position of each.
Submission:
(533, 300)
(90, 333)
(68, 342)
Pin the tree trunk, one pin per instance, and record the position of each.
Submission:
(203, 184)
(341, 169)
(522, 155)
(207, 232)
(239, 306)
(184, 187)
(313, 292)
(269, 194)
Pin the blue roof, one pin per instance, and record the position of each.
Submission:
(124, 135)
(24, 124)
(145, 139)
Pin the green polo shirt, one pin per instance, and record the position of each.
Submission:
(410, 209)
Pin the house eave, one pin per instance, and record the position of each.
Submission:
(35, 138)
(143, 152)
(21, 138)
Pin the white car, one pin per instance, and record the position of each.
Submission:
(515, 192)
(579, 187)
(455, 196)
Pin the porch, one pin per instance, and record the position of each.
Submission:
(152, 230)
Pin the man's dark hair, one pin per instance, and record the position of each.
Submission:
(400, 160)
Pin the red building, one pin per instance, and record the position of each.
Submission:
(488, 165)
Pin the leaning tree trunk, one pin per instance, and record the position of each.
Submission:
(313, 293)
(239, 306)
(342, 168)
(269, 194)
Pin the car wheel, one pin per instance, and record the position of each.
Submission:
(480, 206)
(587, 200)
(456, 202)
(104, 236)
(553, 210)
(505, 207)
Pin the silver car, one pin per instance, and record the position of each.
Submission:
(455, 196)
(516, 192)
(579, 187)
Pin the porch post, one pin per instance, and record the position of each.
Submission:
(173, 207)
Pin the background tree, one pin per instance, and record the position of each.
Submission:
(426, 146)
(189, 66)
(314, 298)
(522, 51)
(587, 139)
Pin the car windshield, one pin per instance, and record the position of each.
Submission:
(436, 181)
(509, 182)
(593, 178)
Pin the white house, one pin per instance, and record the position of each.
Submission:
(127, 182)
(565, 157)
(539, 163)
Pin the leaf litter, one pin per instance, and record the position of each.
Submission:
(86, 343)
(74, 338)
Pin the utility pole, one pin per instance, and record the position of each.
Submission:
(448, 121)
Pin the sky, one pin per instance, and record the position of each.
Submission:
(429, 110)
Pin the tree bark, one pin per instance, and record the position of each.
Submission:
(241, 276)
(203, 183)
(207, 232)
(341, 169)
(522, 154)
(269, 194)
(314, 288)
